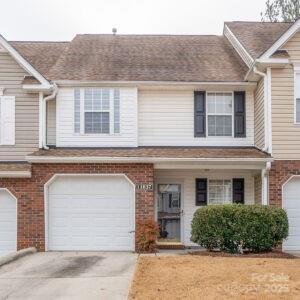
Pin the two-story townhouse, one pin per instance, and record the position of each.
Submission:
(105, 131)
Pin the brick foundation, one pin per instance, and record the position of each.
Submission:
(280, 172)
(30, 195)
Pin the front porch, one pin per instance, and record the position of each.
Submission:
(177, 196)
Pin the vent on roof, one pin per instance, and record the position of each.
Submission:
(114, 31)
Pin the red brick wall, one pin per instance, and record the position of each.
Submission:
(30, 195)
(280, 172)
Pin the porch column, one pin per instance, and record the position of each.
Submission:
(265, 184)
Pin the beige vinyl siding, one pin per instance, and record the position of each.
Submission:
(257, 189)
(285, 134)
(293, 48)
(187, 179)
(51, 122)
(27, 110)
(166, 117)
(259, 127)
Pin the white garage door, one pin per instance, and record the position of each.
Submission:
(8, 223)
(291, 202)
(91, 213)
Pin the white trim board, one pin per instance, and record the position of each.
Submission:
(91, 159)
(237, 45)
(15, 174)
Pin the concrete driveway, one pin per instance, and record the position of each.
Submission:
(68, 275)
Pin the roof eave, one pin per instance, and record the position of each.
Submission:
(97, 159)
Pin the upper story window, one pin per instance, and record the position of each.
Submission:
(297, 97)
(219, 114)
(97, 111)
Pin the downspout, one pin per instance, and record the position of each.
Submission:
(265, 183)
(45, 100)
(267, 147)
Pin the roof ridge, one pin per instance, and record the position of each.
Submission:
(147, 35)
(54, 42)
(259, 22)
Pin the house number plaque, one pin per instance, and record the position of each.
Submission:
(143, 186)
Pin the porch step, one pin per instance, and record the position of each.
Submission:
(170, 246)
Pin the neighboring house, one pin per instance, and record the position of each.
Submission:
(107, 130)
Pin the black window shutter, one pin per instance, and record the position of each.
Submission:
(199, 114)
(239, 115)
(238, 190)
(201, 191)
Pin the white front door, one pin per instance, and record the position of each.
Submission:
(8, 223)
(91, 213)
(291, 203)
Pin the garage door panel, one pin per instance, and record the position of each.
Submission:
(98, 219)
(8, 223)
(291, 203)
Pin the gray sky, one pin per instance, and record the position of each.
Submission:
(62, 19)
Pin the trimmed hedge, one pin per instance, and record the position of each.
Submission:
(234, 228)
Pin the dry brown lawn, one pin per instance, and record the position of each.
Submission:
(206, 277)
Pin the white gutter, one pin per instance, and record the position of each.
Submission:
(98, 159)
(44, 115)
(265, 184)
(153, 83)
(267, 147)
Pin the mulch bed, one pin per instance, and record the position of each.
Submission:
(272, 254)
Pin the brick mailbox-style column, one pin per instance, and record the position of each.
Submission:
(30, 195)
(281, 171)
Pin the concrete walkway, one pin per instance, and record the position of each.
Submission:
(68, 275)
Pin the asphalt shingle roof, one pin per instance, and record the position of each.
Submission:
(257, 37)
(98, 57)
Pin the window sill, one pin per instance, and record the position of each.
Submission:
(97, 134)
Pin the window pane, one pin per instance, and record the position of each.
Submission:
(211, 103)
(96, 99)
(105, 99)
(211, 121)
(76, 110)
(219, 103)
(117, 110)
(298, 110)
(220, 192)
(96, 122)
(105, 122)
(88, 99)
(219, 125)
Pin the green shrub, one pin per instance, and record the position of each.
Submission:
(234, 228)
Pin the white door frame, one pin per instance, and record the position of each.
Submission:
(15, 198)
(46, 199)
(181, 183)
(282, 195)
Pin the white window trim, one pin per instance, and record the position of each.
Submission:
(220, 114)
(208, 183)
(82, 114)
(296, 72)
